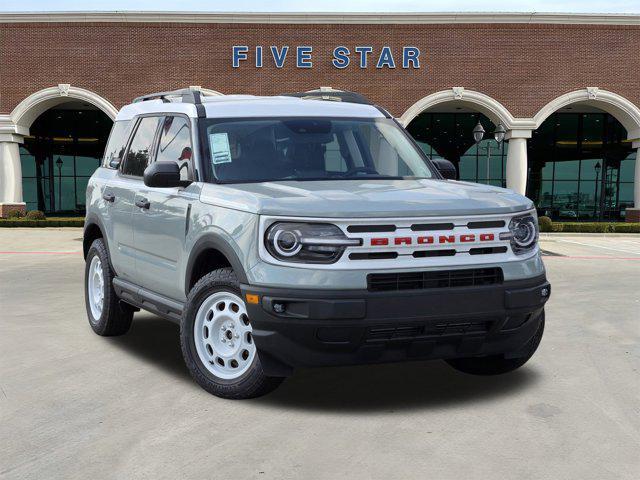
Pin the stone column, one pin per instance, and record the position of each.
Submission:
(516, 170)
(10, 174)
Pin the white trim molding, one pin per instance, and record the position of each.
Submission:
(37, 103)
(492, 108)
(622, 109)
(415, 18)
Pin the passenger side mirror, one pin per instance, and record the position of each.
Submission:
(115, 162)
(446, 168)
(164, 175)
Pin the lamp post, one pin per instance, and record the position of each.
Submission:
(498, 135)
(597, 168)
(59, 165)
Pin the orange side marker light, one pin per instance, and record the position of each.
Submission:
(252, 298)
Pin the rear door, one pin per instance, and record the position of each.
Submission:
(161, 225)
(122, 190)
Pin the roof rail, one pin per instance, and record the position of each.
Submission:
(329, 94)
(191, 94)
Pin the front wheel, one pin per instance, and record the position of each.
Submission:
(217, 342)
(498, 364)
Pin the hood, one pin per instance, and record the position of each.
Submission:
(366, 198)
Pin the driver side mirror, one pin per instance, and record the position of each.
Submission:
(164, 175)
(446, 168)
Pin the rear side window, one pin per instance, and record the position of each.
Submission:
(140, 148)
(175, 144)
(117, 142)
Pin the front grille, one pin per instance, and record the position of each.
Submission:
(385, 282)
(408, 332)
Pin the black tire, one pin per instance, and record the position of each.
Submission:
(253, 382)
(497, 364)
(116, 317)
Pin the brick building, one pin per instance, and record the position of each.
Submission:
(564, 87)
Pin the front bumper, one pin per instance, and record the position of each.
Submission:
(347, 327)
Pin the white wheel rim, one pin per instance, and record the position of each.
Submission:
(95, 287)
(223, 336)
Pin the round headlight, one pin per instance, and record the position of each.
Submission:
(524, 233)
(287, 243)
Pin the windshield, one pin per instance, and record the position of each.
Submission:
(259, 150)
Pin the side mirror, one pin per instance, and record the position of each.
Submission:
(115, 163)
(446, 168)
(163, 175)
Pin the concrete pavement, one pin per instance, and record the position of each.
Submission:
(75, 406)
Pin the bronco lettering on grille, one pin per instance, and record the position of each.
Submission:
(433, 240)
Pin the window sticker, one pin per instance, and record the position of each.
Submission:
(220, 150)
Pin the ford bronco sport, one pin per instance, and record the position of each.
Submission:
(304, 230)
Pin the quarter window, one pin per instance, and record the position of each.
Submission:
(138, 154)
(117, 142)
(175, 144)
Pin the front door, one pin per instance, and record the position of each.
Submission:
(161, 217)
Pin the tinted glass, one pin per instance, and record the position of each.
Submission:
(175, 144)
(117, 142)
(311, 149)
(138, 154)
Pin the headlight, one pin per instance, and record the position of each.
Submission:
(523, 233)
(307, 242)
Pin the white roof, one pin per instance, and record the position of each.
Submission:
(236, 106)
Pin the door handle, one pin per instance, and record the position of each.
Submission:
(109, 197)
(143, 203)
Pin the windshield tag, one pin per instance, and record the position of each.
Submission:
(220, 150)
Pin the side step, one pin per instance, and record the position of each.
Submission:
(147, 300)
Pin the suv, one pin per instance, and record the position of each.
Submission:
(304, 230)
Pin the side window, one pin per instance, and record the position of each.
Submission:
(175, 144)
(117, 142)
(138, 154)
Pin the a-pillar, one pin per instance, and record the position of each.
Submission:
(517, 160)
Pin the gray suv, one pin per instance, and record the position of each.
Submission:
(304, 230)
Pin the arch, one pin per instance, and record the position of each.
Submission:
(622, 109)
(26, 112)
(490, 107)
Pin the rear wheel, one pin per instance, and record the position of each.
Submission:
(217, 341)
(107, 315)
(498, 364)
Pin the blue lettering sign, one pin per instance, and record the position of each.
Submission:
(279, 56)
(239, 53)
(386, 58)
(303, 57)
(259, 56)
(411, 55)
(341, 57)
(364, 53)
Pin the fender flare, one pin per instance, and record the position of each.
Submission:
(90, 220)
(216, 242)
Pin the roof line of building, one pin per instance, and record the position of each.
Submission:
(320, 18)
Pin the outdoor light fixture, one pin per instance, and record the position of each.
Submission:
(499, 133)
(478, 132)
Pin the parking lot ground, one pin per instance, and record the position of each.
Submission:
(74, 405)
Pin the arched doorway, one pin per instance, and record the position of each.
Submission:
(582, 162)
(64, 147)
(443, 123)
(64, 130)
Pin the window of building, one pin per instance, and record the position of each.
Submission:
(450, 136)
(175, 144)
(140, 148)
(581, 167)
(65, 146)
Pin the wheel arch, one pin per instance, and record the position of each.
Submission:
(93, 229)
(210, 252)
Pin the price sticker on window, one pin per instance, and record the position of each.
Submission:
(220, 150)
